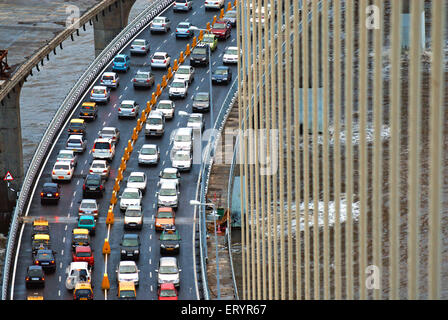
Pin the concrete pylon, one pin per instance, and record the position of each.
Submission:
(108, 23)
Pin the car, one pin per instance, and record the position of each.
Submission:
(77, 272)
(168, 195)
(183, 30)
(183, 139)
(111, 133)
(128, 109)
(40, 241)
(51, 192)
(230, 16)
(164, 217)
(178, 88)
(213, 4)
(143, 79)
(88, 111)
(128, 271)
(139, 46)
(201, 102)
(167, 108)
(77, 126)
(149, 154)
(83, 291)
(87, 222)
(67, 155)
(100, 94)
(167, 291)
(168, 271)
(130, 197)
(62, 170)
(76, 143)
(210, 40)
(222, 74)
(35, 276)
(103, 149)
(160, 60)
(110, 79)
(93, 185)
(137, 180)
(121, 62)
(222, 29)
(169, 240)
(80, 237)
(169, 174)
(45, 259)
(200, 55)
(196, 121)
(185, 73)
(231, 55)
(155, 124)
(130, 246)
(100, 167)
(40, 226)
(84, 254)
(88, 207)
(182, 160)
(133, 218)
(126, 290)
(182, 5)
(160, 24)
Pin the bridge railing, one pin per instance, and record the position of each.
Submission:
(65, 110)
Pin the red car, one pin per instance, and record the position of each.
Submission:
(83, 254)
(221, 29)
(167, 291)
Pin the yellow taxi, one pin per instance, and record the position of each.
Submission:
(40, 241)
(126, 290)
(35, 296)
(77, 126)
(83, 291)
(80, 237)
(40, 226)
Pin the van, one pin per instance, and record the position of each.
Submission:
(183, 139)
(103, 148)
(126, 290)
(155, 124)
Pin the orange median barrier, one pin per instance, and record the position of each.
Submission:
(110, 216)
(187, 50)
(181, 57)
(221, 14)
(113, 199)
(169, 74)
(106, 246)
(163, 84)
(229, 6)
(176, 66)
(105, 284)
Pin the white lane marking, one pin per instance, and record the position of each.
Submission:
(59, 293)
(66, 226)
(74, 194)
(150, 261)
(208, 71)
(150, 237)
(60, 265)
(126, 88)
(213, 63)
(115, 105)
(150, 274)
(62, 252)
(60, 278)
(153, 205)
(104, 123)
(110, 113)
(63, 240)
(150, 248)
(151, 288)
(120, 97)
(77, 182)
(202, 80)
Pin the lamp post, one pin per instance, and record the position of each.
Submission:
(198, 203)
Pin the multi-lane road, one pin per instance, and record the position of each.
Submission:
(63, 216)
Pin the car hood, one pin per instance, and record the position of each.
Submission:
(165, 221)
(137, 185)
(130, 202)
(154, 126)
(167, 198)
(148, 156)
(132, 219)
(128, 277)
(178, 89)
(168, 277)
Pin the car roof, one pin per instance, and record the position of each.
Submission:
(89, 104)
(223, 68)
(149, 145)
(63, 162)
(128, 263)
(88, 201)
(168, 184)
(160, 52)
(99, 161)
(137, 173)
(100, 87)
(128, 101)
(79, 265)
(103, 140)
(67, 151)
(168, 261)
(50, 184)
(77, 121)
(155, 112)
(109, 128)
(131, 189)
(75, 136)
(121, 55)
(83, 249)
(108, 73)
(232, 48)
(86, 217)
(166, 100)
(182, 130)
(170, 170)
(130, 235)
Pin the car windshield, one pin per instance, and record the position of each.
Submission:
(169, 175)
(126, 106)
(83, 254)
(82, 293)
(148, 151)
(159, 57)
(168, 270)
(65, 156)
(136, 179)
(230, 14)
(108, 78)
(155, 121)
(195, 119)
(108, 132)
(200, 50)
(130, 195)
(167, 192)
(119, 59)
(231, 52)
(181, 156)
(127, 269)
(76, 125)
(133, 213)
(201, 97)
(159, 20)
(208, 40)
(164, 106)
(98, 165)
(76, 141)
(99, 91)
(165, 215)
(168, 293)
(93, 181)
(129, 243)
(219, 26)
(178, 84)
(102, 145)
(85, 222)
(169, 236)
(183, 26)
(127, 294)
(221, 71)
(88, 205)
(49, 189)
(35, 272)
(183, 70)
(182, 138)
(139, 43)
(43, 256)
(62, 167)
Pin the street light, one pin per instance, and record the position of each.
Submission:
(198, 203)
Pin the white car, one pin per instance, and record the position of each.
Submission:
(185, 73)
(88, 207)
(133, 218)
(77, 272)
(196, 121)
(100, 94)
(67, 155)
(168, 195)
(182, 160)
(169, 175)
(155, 124)
(62, 170)
(137, 180)
(214, 4)
(183, 139)
(128, 271)
(100, 167)
(149, 154)
(230, 55)
(178, 88)
(110, 79)
(167, 108)
(168, 271)
(161, 60)
(130, 197)
(103, 148)
(160, 24)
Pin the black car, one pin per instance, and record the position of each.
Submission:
(199, 56)
(45, 259)
(130, 246)
(201, 102)
(51, 192)
(222, 74)
(35, 277)
(170, 241)
(93, 186)
(89, 111)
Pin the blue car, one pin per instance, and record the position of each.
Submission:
(87, 222)
(183, 30)
(222, 74)
(121, 62)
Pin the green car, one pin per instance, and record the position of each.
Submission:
(211, 40)
(87, 222)
(170, 241)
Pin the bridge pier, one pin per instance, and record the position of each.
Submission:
(108, 24)
(11, 156)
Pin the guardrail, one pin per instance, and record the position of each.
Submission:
(60, 117)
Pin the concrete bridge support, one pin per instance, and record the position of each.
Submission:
(110, 22)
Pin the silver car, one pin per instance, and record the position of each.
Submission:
(196, 121)
(149, 154)
(169, 174)
(201, 102)
(100, 94)
(182, 5)
(168, 195)
(182, 160)
(143, 79)
(110, 79)
(77, 143)
(168, 271)
(111, 133)
(67, 155)
(100, 167)
(155, 124)
(139, 46)
(185, 73)
(133, 218)
(161, 60)
(160, 24)
(128, 109)
(167, 108)
(88, 207)
(178, 88)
